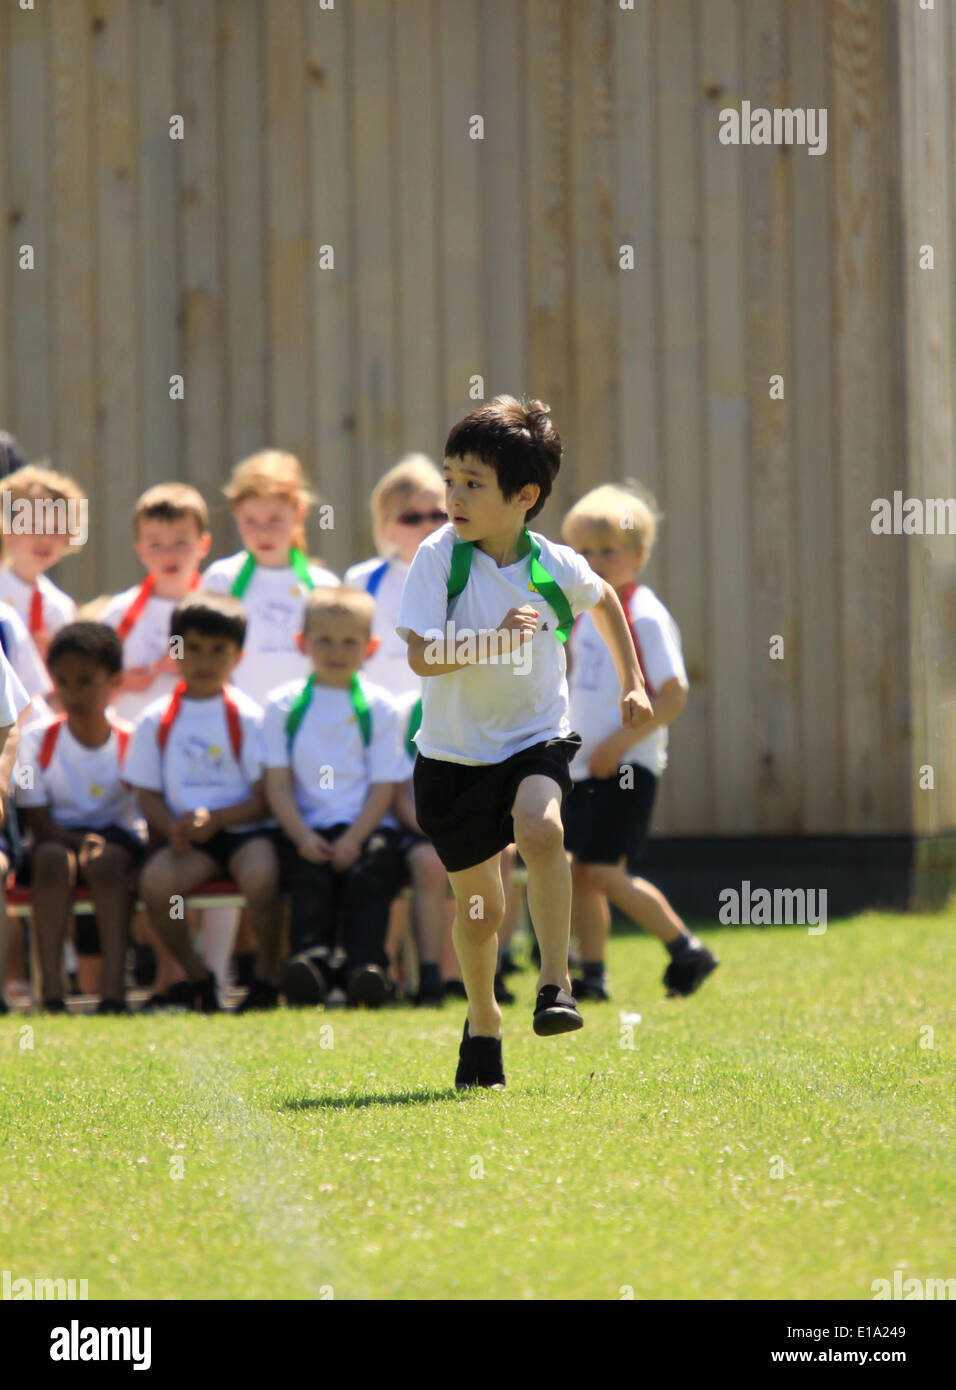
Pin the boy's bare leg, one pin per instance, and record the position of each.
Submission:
(255, 867)
(590, 914)
(479, 908)
(539, 835)
(429, 889)
(639, 899)
(166, 876)
(107, 875)
(54, 878)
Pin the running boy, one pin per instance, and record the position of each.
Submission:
(495, 742)
(331, 754)
(195, 762)
(607, 815)
(85, 822)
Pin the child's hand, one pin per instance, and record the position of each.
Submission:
(345, 851)
(91, 847)
(314, 848)
(636, 708)
(203, 825)
(605, 761)
(136, 679)
(521, 623)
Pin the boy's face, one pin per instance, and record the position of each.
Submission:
(172, 550)
(337, 644)
(611, 557)
(474, 502)
(82, 685)
(266, 525)
(32, 552)
(207, 662)
(406, 527)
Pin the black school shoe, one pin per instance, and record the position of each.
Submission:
(112, 1006)
(555, 1011)
(4, 1006)
(593, 989)
(503, 994)
(54, 1006)
(301, 980)
(261, 996)
(455, 989)
(688, 971)
(189, 995)
(479, 1063)
(368, 986)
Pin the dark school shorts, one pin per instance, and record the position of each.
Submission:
(603, 820)
(113, 835)
(384, 839)
(224, 843)
(466, 810)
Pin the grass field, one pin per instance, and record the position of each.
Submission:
(786, 1133)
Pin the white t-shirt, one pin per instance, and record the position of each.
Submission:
(332, 769)
(146, 643)
(274, 600)
(488, 712)
(388, 666)
(595, 710)
(14, 698)
(198, 767)
(57, 607)
(21, 652)
(406, 760)
(80, 785)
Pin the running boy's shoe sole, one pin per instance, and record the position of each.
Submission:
(555, 1011)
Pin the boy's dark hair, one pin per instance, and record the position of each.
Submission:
(211, 615)
(98, 642)
(12, 456)
(515, 438)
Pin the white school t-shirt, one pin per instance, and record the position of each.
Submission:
(198, 767)
(22, 653)
(406, 760)
(146, 643)
(80, 785)
(274, 601)
(57, 607)
(388, 666)
(595, 710)
(14, 697)
(329, 740)
(487, 712)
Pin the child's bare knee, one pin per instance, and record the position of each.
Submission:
(51, 861)
(537, 836)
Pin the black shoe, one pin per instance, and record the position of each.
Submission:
(144, 966)
(181, 995)
(429, 997)
(261, 997)
(535, 953)
(454, 989)
(4, 1006)
(555, 1011)
(301, 980)
(508, 964)
(688, 971)
(503, 994)
(479, 1063)
(112, 1006)
(595, 988)
(368, 986)
(154, 1004)
(54, 1006)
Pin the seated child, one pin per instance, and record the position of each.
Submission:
(272, 575)
(615, 775)
(331, 753)
(84, 821)
(195, 762)
(13, 701)
(21, 652)
(39, 543)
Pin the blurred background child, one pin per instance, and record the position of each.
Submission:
(29, 552)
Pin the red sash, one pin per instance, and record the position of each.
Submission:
(145, 592)
(48, 746)
(172, 710)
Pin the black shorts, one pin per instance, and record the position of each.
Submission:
(603, 820)
(224, 843)
(465, 810)
(112, 834)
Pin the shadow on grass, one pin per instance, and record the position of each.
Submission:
(358, 1102)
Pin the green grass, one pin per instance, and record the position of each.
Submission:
(354, 1167)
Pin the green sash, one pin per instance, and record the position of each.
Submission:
(541, 580)
(356, 697)
(298, 561)
(414, 724)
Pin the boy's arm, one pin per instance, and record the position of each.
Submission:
(403, 807)
(158, 815)
(255, 807)
(9, 742)
(280, 795)
(44, 828)
(429, 656)
(608, 617)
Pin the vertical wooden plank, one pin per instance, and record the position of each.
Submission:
(202, 348)
(31, 415)
(871, 728)
(503, 204)
(810, 388)
(687, 791)
(287, 183)
(117, 298)
(378, 414)
(333, 394)
(548, 254)
(460, 162)
(162, 420)
(731, 644)
(593, 421)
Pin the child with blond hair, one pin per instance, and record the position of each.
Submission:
(615, 775)
(272, 574)
(40, 524)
